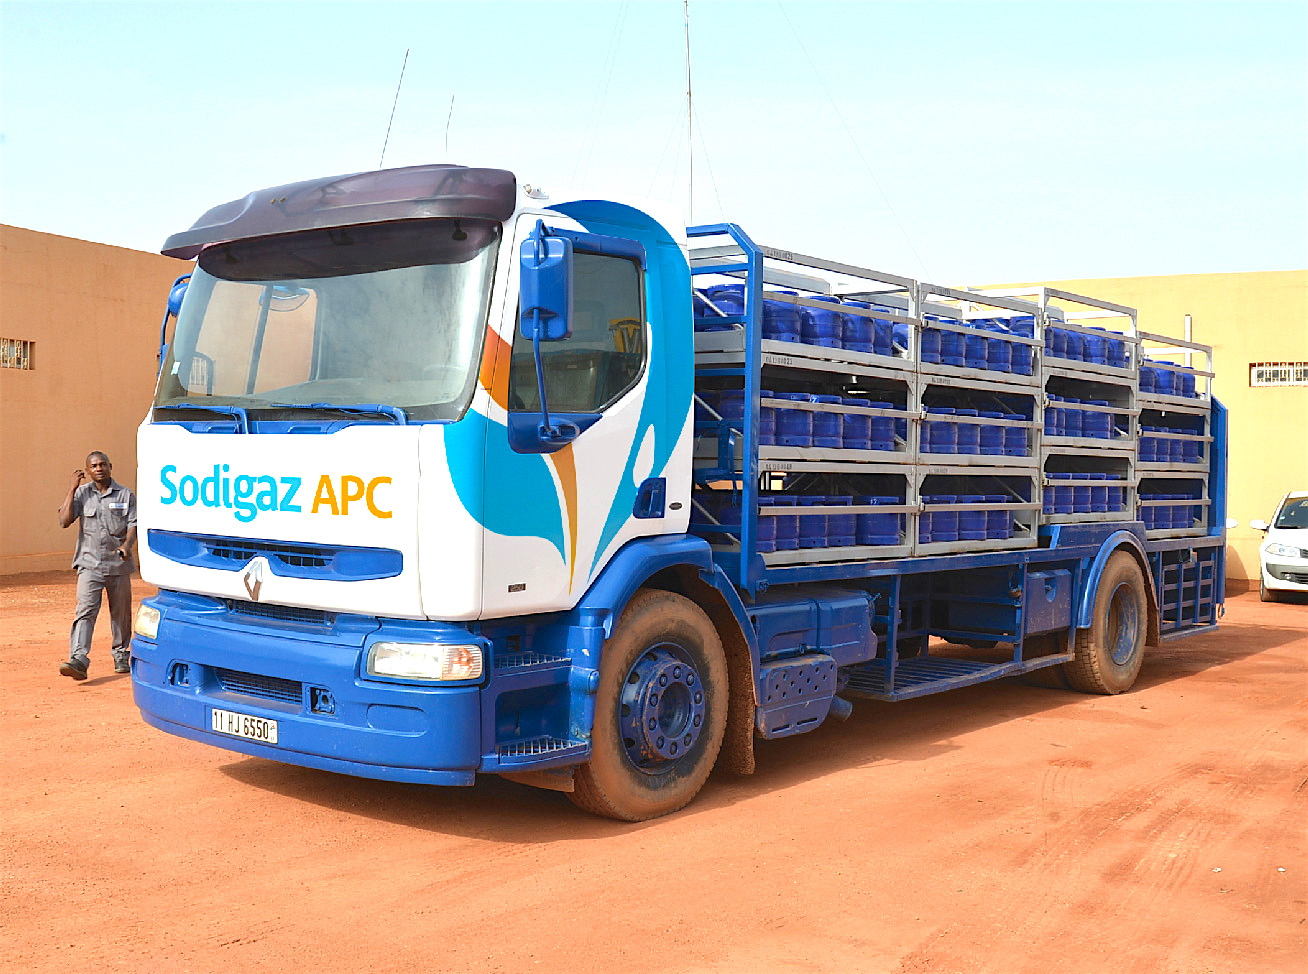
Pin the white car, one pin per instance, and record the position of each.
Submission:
(1284, 552)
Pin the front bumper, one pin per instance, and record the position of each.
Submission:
(329, 717)
(1286, 575)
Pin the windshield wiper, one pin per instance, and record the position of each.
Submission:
(237, 412)
(361, 409)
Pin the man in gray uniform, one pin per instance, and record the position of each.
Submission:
(106, 534)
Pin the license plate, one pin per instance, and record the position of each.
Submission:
(243, 725)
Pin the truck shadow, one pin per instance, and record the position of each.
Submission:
(916, 730)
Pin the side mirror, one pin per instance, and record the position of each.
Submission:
(1232, 523)
(175, 295)
(1259, 525)
(546, 285)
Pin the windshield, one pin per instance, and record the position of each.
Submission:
(1294, 514)
(386, 314)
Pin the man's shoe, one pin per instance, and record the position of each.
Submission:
(74, 669)
(123, 665)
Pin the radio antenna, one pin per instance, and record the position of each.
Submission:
(386, 140)
(447, 128)
(690, 130)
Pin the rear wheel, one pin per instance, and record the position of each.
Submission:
(1109, 653)
(660, 711)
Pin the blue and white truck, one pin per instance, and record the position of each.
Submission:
(444, 477)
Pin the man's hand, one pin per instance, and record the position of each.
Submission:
(79, 476)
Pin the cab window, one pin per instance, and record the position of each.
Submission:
(604, 357)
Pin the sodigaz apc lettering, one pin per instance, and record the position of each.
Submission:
(248, 494)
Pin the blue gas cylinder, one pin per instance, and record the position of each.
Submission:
(883, 334)
(1075, 346)
(931, 343)
(1071, 419)
(1057, 342)
(975, 347)
(999, 524)
(794, 426)
(841, 528)
(944, 524)
(767, 420)
(1095, 347)
(942, 435)
(968, 438)
(953, 348)
(992, 437)
(856, 330)
(812, 527)
(999, 351)
(1064, 498)
(787, 530)
(855, 428)
(971, 524)
(882, 428)
(781, 319)
(819, 326)
(1116, 498)
(877, 529)
(1081, 494)
(1022, 326)
(1098, 493)
(1014, 441)
(1096, 424)
(729, 298)
(826, 425)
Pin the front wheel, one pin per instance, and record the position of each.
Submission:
(660, 711)
(1266, 594)
(1109, 653)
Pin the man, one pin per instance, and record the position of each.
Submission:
(105, 537)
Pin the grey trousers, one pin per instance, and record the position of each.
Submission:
(118, 588)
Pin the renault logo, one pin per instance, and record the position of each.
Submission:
(253, 578)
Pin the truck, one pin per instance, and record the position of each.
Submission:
(445, 477)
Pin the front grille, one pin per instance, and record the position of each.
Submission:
(282, 613)
(265, 687)
(240, 551)
(342, 563)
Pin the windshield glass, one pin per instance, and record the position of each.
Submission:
(389, 314)
(1294, 514)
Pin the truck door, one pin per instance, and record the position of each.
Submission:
(596, 380)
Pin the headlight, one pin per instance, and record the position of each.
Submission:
(425, 661)
(147, 622)
(1284, 551)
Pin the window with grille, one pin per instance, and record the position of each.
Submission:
(1278, 374)
(17, 353)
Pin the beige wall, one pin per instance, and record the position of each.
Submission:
(93, 312)
(1254, 317)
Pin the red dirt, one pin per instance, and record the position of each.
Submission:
(1000, 828)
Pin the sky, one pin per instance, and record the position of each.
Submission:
(960, 143)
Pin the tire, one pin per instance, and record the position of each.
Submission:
(1266, 594)
(1108, 654)
(660, 711)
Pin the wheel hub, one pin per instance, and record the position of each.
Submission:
(662, 712)
(1123, 625)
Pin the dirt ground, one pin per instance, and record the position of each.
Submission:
(1000, 828)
